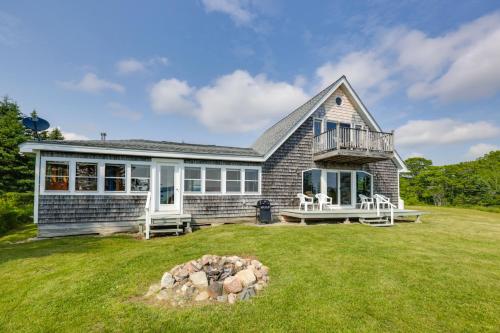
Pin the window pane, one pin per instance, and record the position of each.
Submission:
(85, 184)
(86, 169)
(54, 183)
(317, 127)
(212, 186)
(57, 169)
(192, 173)
(213, 173)
(140, 171)
(345, 188)
(139, 184)
(167, 185)
(232, 174)
(363, 185)
(251, 174)
(233, 186)
(312, 182)
(115, 170)
(114, 184)
(192, 185)
(251, 186)
(332, 187)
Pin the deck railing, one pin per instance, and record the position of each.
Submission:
(353, 139)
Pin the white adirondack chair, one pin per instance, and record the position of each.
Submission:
(305, 201)
(382, 201)
(366, 202)
(324, 201)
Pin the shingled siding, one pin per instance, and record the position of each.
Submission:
(282, 172)
(90, 208)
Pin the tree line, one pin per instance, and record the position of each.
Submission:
(17, 172)
(462, 184)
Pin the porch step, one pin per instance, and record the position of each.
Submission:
(166, 231)
(376, 221)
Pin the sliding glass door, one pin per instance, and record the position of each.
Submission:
(345, 188)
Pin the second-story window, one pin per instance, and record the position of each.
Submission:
(317, 126)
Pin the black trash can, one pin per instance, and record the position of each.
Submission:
(264, 208)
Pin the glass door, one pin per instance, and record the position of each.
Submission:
(345, 188)
(168, 187)
(332, 186)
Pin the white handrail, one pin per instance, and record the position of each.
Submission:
(147, 210)
(379, 198)
(353, 138)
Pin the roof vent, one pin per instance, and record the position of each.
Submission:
(103, 136)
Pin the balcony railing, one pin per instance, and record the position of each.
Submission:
(345, 138)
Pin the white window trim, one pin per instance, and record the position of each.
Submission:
(202, 177)
(129, 182)
(74, 178)
(212, 180)
(323, 185)
(100, 175)
(223, 179)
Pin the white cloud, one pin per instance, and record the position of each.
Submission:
(443, 131)
(238, 10)
(365, 71)
(132, 65)
(121, 111)
(172, 96)
(70, 135)
(415, 154)
(236, 102)
(240, 102)
(92, 84)
(128, 66)
(463, 64)
(480, 149)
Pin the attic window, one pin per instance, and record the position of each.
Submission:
(338, 101)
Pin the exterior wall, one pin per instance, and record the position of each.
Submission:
(345, 113)
(63, 209)
(282, 172)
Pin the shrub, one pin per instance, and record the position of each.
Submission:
(15, 209)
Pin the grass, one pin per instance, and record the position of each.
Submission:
(441, 275)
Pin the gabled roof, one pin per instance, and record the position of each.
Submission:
(277, 134)
(274, 135)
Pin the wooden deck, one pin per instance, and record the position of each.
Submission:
(344, 215)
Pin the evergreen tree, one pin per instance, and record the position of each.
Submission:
(16, 170)
(55, 134)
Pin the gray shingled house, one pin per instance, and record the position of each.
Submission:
(331, 144)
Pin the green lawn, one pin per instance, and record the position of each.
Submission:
(441, 275)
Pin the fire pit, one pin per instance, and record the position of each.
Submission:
(211, 279)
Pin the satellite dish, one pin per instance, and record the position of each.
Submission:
(36, 124)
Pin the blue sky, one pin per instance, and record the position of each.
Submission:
(220, 71)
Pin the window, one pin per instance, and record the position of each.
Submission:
(233, 180)
(332, 186)
(212, 180)
(57, 176)
(114, 178)
(86, 176)
(192, 179)
(251, 180)
(331, 125)
(139, 178)
(317, 126)
(311, 182)
(338, 101)
(363, 185)
(345, 188)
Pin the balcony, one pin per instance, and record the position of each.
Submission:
(353, 145)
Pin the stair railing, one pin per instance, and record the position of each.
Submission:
(147, 211)
(381, 199)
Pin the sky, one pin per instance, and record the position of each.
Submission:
(222, 71)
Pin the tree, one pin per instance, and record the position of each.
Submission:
(417, 164)
(16, 170)
(55, 134)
